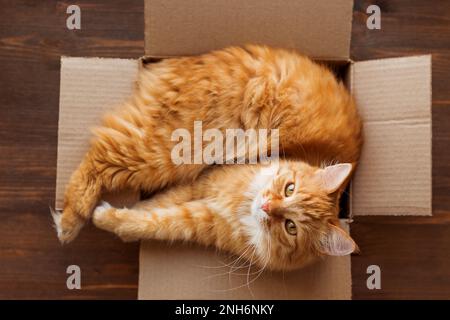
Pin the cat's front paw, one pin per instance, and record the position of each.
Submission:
(102, 207)
(102, 216)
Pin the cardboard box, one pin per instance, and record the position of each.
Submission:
(393, 96)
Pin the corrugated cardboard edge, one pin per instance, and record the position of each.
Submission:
(422, 66)
(84, 94)
(328, 279)
(169, 46)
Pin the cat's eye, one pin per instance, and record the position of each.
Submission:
(290, 226)
(289, 190)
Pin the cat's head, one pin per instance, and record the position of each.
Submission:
(294, 215)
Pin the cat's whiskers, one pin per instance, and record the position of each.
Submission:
(256, 247)
(229, 272)
(258, 273)
(239, 258)
(223, 265)
(244, 265)
(232, 265)
(251, 260)
(267, 259)
(240, 267)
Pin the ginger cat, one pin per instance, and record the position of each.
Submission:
(250, 88)
(279, 217)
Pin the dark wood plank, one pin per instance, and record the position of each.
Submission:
(33, 36)
(412, 254)
(411, 251)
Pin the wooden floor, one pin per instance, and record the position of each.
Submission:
(413, 252)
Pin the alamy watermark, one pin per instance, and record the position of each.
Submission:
(73, 21)
(74, 280)
(374, 20)
(233, 146)
(374, 280)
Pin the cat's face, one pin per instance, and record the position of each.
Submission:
(294, 215)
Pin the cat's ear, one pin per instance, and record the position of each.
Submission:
(332, 177)
(336, 242)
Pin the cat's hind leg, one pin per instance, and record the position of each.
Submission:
(123, 155)
(80, 198)
(111, 164)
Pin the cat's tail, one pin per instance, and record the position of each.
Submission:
(81, 196)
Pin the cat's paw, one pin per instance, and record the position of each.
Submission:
(102, 207)
(101, 215)
(67, 225)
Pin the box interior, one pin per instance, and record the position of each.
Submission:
(341, 70)
(91, 86)
(394, 99)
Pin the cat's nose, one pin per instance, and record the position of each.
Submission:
(266, 207)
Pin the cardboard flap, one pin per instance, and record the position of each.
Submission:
(183, 271)
(394, 99)
(317, 28)
(89, 87)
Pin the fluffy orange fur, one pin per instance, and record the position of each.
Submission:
(245, 210)
(250, 88)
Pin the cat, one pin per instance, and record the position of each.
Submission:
(277, 217)
(249, 87)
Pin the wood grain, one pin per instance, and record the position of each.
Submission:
(33, 36)
(411, 251)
